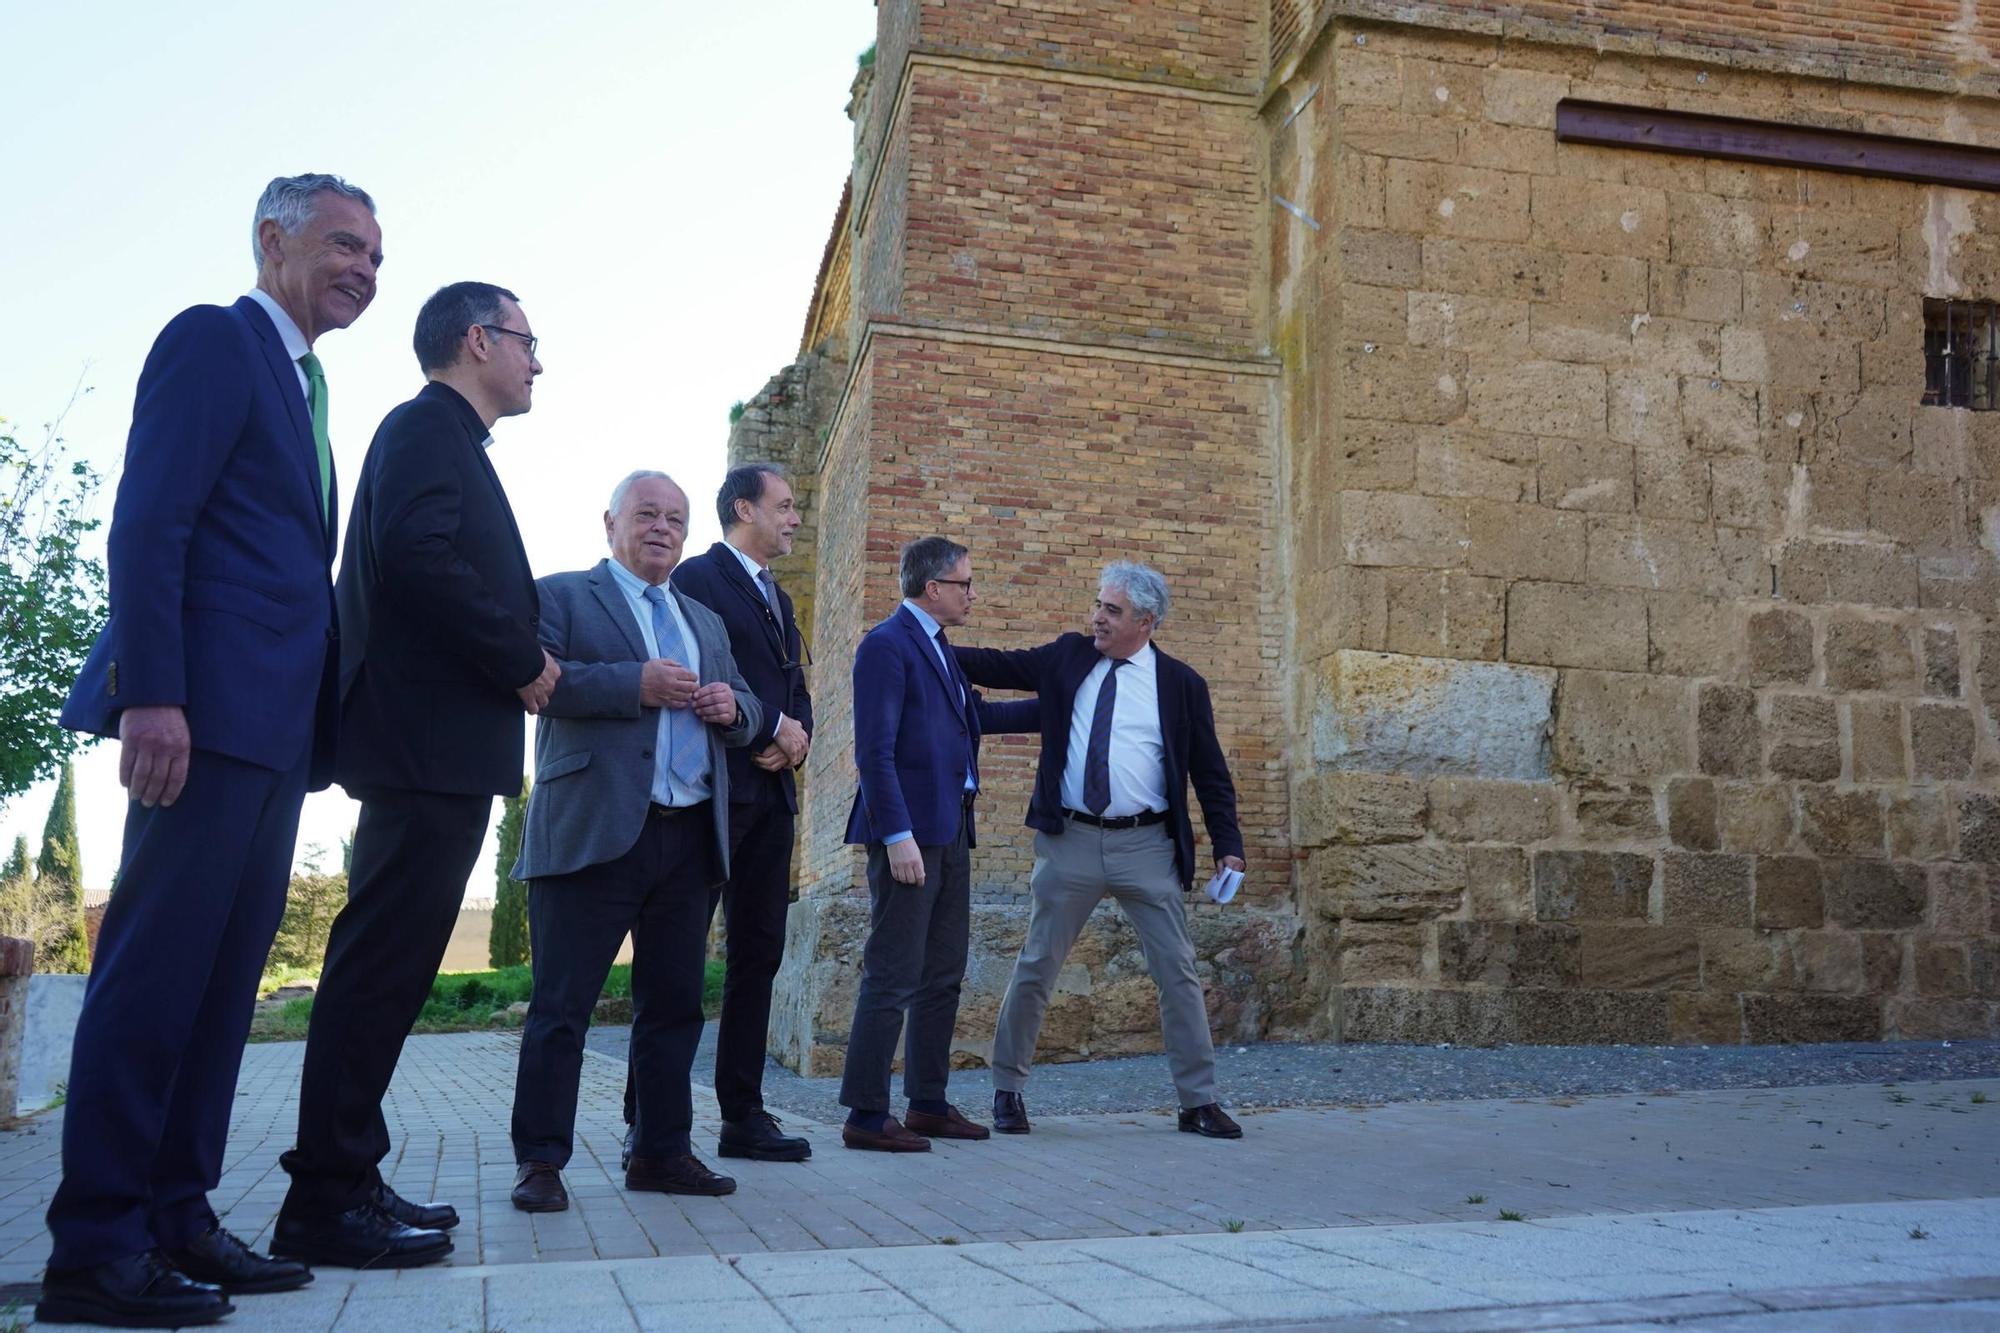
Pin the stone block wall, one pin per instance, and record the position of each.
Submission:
(1648, 678)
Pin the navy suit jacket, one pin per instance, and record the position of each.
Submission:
(914, 739)
(1187, 728)
(219, 552)
(769, 653)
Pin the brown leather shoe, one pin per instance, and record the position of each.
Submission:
(950, 1125)
(892, 1137)
(1210, 1122)
(538, 1188)
(1010, 1113)
(683, 1174)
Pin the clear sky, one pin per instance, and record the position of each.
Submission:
(656, 178)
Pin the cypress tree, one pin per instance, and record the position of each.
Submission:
(61, 863)
(17, 864)
(508, 944)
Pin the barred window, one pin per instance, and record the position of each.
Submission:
(1961, 354)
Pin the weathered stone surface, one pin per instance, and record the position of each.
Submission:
(1359, 808)
(1607, 812)
(1380, 951)
(1691, 814)
(1804, 734)
(1389, 528)
(1699, 889)
(1781, 648)
(1828, 961)
(1505, 953)
(1728, 734)
(1521, 541)
(1920, 824)
(1834, 822)
(1704, 1019)
(1983, 968)
(1444, 613)
(1691, 635)
(1818, 572)
(1739, 959)
(1869, 655)
(1771, 1019)
(1940, 1020)
(1876, 895)
(1960, 900)
(1615, 724)
(1640, 957)
(1979, 827)
(1397, 882)
(1940, 968)
(1422, 716)
(1790, 892)
(1497, 884)
(1479, 810)
(1571, 624)
(1489, 1017)
(1592, 886)
(1875, 741)
(1756, 818)
(1941, 742)
(1941, 671)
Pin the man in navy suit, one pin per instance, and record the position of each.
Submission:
(733, 579)
(916, 744)
(1125, 728)
(215, 671)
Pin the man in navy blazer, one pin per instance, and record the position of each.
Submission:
(916, 744)
(215, 671)
(733, 579)
(1125, 729)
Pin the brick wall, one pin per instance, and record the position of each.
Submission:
(1651, 685)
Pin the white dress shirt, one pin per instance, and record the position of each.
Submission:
(288, 334)
(1138, 755)
(667, 790)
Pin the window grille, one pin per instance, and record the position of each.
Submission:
(1962, 354)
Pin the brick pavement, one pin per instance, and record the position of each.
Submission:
(1580, 1169)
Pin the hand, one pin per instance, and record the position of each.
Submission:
(771, 759)
(153, 753)
(1232, 862)
(792, 739)
(535, 694)
(664, 683)
(715, 704)
(906, 863)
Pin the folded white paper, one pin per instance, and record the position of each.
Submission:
(1223, 887)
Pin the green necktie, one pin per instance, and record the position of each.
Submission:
(316, 404)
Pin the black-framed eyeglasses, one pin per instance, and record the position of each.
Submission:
(960, 583)
(528, 338)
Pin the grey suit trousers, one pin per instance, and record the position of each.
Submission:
(1072, 874)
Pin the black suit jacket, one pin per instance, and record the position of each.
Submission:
(1187, 728)
(768, 651)
(438, 611)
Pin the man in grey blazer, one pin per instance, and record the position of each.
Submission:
(626, 830)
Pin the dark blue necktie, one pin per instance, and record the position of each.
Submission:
(1097, 758)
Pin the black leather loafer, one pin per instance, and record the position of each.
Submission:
(757, 1137)
(138, 1291)
(684, 1174)
(422, 1216)
(1210, 1121)
(361, 1237)
(1010, 1114)
(220, 1259)
(538, 1188)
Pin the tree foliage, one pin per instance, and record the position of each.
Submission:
(508, 944)
(59, 875)
(51, 600)
(312, 900)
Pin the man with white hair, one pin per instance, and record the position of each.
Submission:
(215, 672)
(1125, 729)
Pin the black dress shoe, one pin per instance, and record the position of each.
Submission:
(218, 1258)
(1010, 1113)
(422, 1216)
(676, 1175)
(625, 1153)
(538, 1188)
(138, 1291)
(758, 1137)
(1210, 1122)
(362, 1237)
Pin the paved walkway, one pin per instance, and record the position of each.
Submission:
(1845, 1206)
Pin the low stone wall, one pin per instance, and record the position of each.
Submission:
(53, 1004)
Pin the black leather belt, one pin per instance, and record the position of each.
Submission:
(1119, 821)
(658, 811)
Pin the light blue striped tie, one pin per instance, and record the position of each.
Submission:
(687, 737)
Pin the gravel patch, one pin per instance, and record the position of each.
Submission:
(1272, 1074)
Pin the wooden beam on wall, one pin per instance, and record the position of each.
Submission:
(1775, 143)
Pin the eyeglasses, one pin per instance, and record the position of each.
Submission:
(961, 583)
(528, 338)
